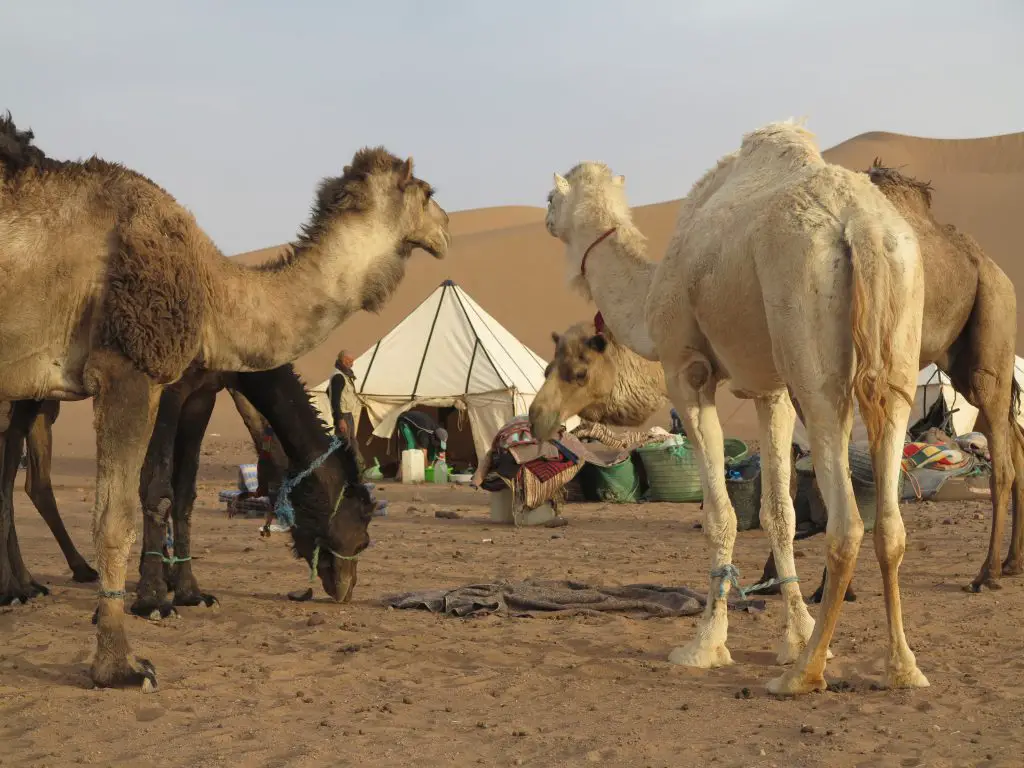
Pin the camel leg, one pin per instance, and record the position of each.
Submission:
(829, 427)
(695, 403)
(994, 403)
(778, 517)
(1014, 563)
(891, 544)
(39, 488)
(195, 417)
(156, 491)
(125, 408)
(16, 583)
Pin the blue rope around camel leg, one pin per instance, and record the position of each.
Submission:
(731, 574)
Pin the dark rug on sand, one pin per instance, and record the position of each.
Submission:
(530, 598)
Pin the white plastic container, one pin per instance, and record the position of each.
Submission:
(412, 466)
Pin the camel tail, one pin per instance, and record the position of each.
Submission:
(875, 309)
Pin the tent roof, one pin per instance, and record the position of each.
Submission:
(447, 346)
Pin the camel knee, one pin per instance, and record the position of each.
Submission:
(778, 515)
(720, 526)
(842, 545)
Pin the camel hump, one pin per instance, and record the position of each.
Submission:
(154, 300)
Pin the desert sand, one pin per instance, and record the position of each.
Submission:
(261, 681)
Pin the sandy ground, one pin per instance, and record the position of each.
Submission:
(258, 681)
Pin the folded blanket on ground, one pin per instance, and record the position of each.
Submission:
(919, 455)
(529, 598)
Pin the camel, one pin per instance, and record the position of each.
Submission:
(16, 582)
(766, 285)
(281, 391)
(970, 334)
(970, 325)
(137, 297)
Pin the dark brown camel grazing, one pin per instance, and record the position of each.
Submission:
(970, 333)
(169, 474)
(295, 422)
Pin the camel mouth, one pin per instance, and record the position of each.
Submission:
(340, 581)
(435, 250)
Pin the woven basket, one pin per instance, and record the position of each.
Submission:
(745, 492)
(864, 490)
(673, 472)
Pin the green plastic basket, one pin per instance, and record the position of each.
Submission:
(673, 473)
(618, 484)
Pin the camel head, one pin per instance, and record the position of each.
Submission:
(381, 189)
(588, 198)
(580, 376)
(341, 538)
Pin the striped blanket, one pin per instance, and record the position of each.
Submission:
(935, 457)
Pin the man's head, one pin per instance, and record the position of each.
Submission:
(442, 436)
(345, 361)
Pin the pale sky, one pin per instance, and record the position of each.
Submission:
(239, 107)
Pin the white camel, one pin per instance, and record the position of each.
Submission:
(784, 271)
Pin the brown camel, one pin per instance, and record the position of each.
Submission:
(969, 333)
(137, 297)
(16, 582)
(299, 425)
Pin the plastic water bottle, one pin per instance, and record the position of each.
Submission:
(440, 470)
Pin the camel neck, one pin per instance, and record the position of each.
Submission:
(263, 317)
(617, 278)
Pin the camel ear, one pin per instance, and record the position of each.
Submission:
(597, 343)
(619, 181)
(405, 173)
(561, 184)
(555, 337)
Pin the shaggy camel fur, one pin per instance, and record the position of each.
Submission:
(809, 245)
(113, 292)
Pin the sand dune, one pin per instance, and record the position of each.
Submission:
(506, 260)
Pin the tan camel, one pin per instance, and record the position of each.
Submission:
(766, 284)
(112, 291)
(969, 332)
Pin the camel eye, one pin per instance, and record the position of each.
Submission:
(581, 376)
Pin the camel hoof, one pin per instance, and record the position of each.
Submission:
(137, 673)
(700, 656)
(983, 581)
(147, 608)
(21, 595)
(192, 600)
(84, 574)
(795, 683)
(1012, 569)
(38, 590)
(815, 599)
(911, 677)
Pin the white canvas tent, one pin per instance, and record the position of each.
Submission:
(931, 385)
(447, 352)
